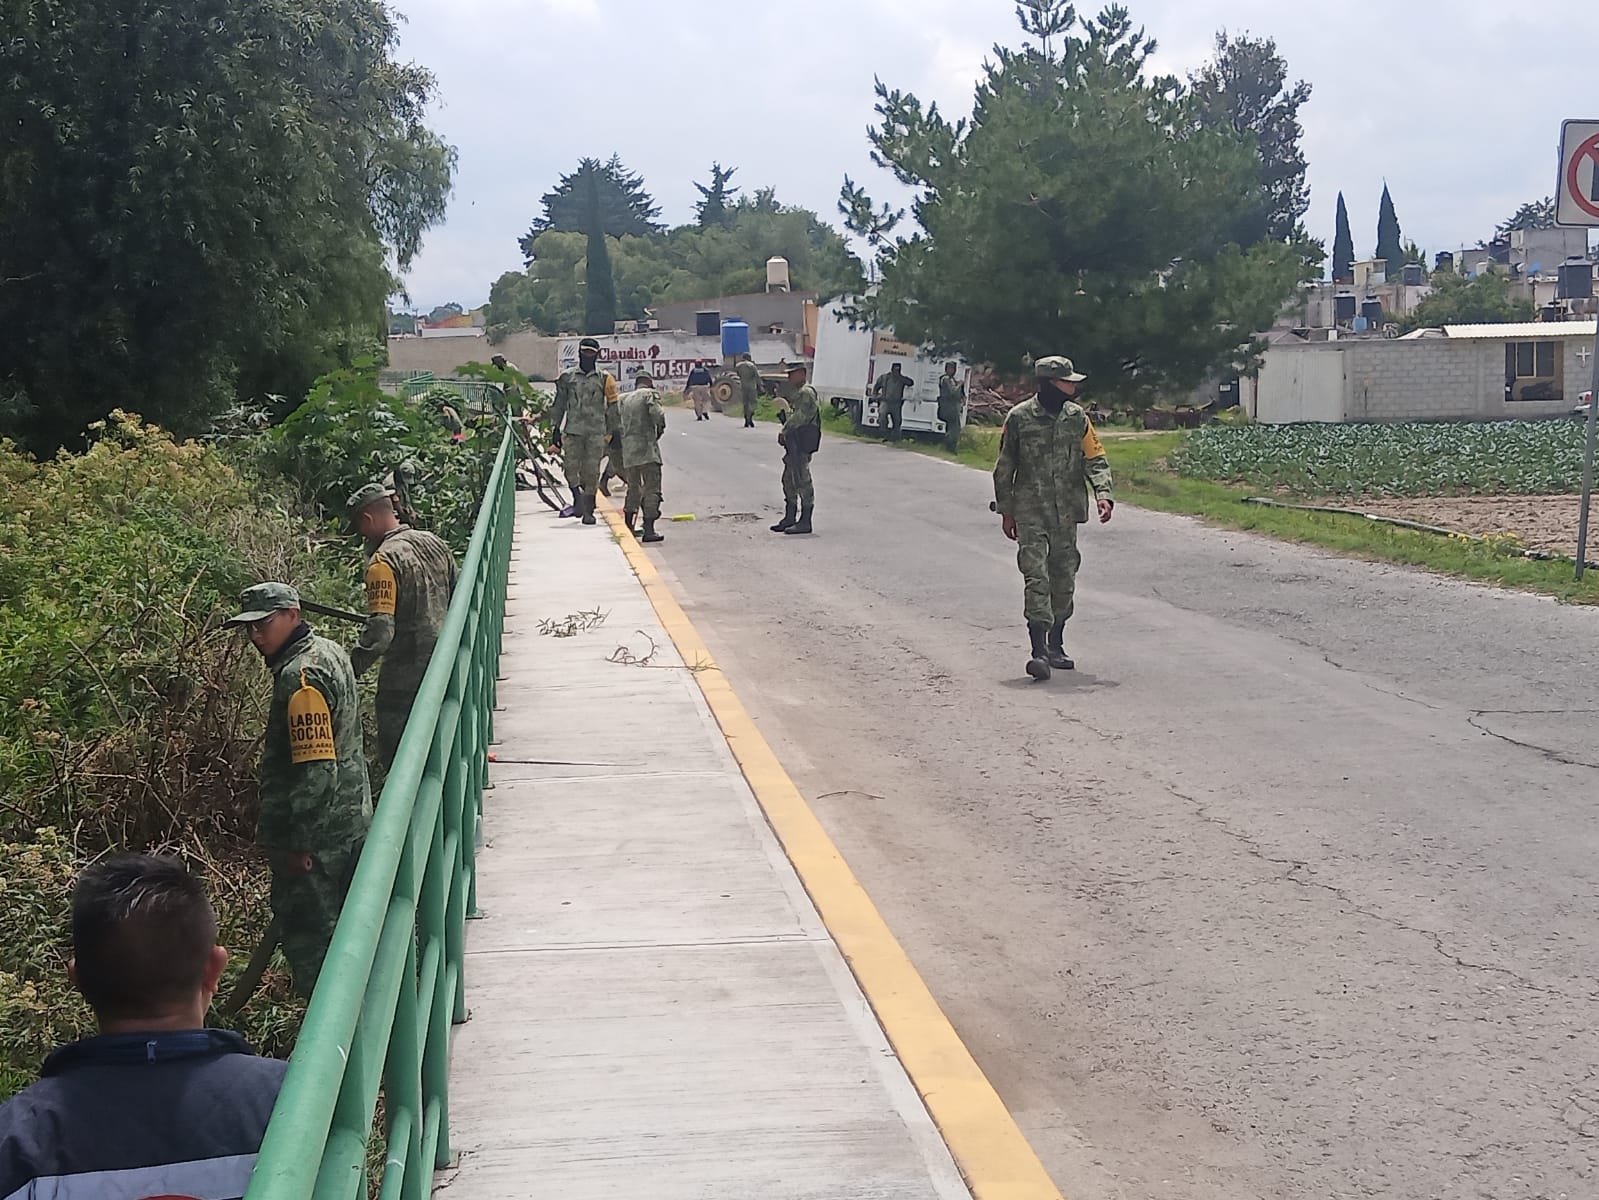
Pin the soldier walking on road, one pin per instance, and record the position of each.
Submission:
(410, 576)
(1049, 455)
(643, 421)
(800, 438)
(951, 402)
(316, 802)
(891, 388)
(580, 422)
(749, 383)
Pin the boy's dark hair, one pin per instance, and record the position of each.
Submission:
(142, 929)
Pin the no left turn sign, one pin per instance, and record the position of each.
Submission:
(1577, 201)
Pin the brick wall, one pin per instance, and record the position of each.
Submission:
(1423, 379)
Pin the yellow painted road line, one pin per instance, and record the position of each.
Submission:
(993, 1156)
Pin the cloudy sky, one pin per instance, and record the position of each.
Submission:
(1456, 103)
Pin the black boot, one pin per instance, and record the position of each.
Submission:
(632, 521)
(605, 481)
(576, 508)
(788, 518)
(649, 532)
(1058, 658)
(803, 525)
(588, 509)
(749, 423)
(1038, 664)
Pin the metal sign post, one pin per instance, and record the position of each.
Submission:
(1577, 203)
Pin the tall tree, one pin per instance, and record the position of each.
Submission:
(624, 206)
(1390, 242)
(1343, 255)
(1245, 88)
(1082, 208)
(1535, 214)
(712, 208)
(196, 199)
(599, 307)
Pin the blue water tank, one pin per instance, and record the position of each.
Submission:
(735, 338)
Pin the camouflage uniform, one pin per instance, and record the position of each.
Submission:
(410, 576)
(804, 410)
(584, 418)
(642, 422)
(951, 399)
(891, 388)
(1046, 464)
(315, 797)
(749, 381)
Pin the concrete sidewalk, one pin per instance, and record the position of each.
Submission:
(657, 1010)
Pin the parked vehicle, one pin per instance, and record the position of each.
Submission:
(849, 361)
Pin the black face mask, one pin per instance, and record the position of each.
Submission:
(1051, 397)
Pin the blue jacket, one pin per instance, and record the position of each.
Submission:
(127, 1116)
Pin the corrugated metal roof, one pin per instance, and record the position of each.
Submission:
(1523, 329)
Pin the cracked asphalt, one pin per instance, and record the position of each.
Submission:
(1288, 891)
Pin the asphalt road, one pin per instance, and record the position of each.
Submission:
(1288, 891)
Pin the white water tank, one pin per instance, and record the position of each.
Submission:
(777, 274)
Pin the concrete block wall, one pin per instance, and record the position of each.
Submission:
(536, 355)
(1422, 380)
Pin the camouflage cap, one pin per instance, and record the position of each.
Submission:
(1056, 367)
(364, 497)
(643, 376)
(263, 600)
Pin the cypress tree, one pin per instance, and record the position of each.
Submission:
(1343, 255)
(1390, 245)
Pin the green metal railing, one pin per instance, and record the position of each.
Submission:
(392, 984)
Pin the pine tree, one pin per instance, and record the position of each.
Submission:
(599, 307)
(1343, 256)
(1390, 244)
(713, 208)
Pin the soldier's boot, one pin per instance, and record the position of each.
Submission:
(649, 532)
(1038, 664)
(803, 525)
(1058, 658)
(632, 521)
(788, 518)
(588, 509)
(605, 482)
(574, 509)
(749, 422)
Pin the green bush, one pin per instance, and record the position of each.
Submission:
(132, 718)
(349, 432)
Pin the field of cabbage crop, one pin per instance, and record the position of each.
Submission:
(1491, 458)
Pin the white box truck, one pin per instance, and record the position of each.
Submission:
(850, 361)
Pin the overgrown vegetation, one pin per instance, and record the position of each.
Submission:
(133, 716)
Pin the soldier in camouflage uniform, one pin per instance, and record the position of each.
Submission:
(410, 576)
(316, 802)
(749, 384)
(1049, 455)
(642, 422)
(891, 388)
(951, 400)
(581, 421)
(802, 433)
